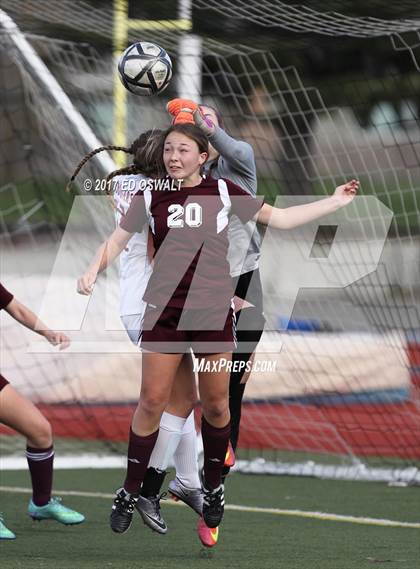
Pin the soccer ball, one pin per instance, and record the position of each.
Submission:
(145, 68)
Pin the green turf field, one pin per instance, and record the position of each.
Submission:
(249, 539)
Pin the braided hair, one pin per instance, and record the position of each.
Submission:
(147, 152)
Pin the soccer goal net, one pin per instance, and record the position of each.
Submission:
(322, 97)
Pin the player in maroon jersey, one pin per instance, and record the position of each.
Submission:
(188, 295)
(233, 160)
(21, 415)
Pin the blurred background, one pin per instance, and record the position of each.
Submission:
(323, 91)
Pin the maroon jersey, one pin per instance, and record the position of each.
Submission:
(189, 228)
(5, 297)
(3, 382)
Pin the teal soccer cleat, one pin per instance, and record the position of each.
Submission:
(5, 532)
(55, 510)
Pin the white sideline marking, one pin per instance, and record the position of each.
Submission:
(233, 507)
(394, 476)
(69, 462)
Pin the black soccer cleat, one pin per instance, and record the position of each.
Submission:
(213, 506)
(122, 511)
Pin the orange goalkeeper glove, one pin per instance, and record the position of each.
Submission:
(186, 111)
(182, 110)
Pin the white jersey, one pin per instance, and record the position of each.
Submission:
(135, 268)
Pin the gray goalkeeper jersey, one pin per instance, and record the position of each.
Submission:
(236, 163)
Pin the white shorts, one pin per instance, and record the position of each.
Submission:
(133, 323)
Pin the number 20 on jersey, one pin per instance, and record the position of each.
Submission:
(191, 215)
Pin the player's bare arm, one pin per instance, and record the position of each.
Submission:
(291, 217)
(104, 256)
(25, 316)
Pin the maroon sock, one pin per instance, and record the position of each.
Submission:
(138, 456)
(215, 442)
(40, 462)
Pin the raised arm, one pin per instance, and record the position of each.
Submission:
(25, 316)
(238, 153)
(104, 256)
(294, 216)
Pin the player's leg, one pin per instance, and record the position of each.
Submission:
(248, 334)
(184, 391)
(186, 486)
(237, 382)
(148, 503)
(158, 373)
(215, 430)
(249, 331)
(186, 455)
(177, 439)
(183, 397)
(21, 414)
(242, 359)
(5, 532)
(182, 400)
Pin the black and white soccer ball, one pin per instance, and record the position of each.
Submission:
(145, 68)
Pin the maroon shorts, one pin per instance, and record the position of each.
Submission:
(3, 382)
(175, 330)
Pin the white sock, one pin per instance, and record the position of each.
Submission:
(170, 431)
(186, 455)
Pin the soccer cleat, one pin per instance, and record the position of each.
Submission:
(149, 509)
(122, 511)
(55, 510)
(208, 536)
(193, 497)
(213, 506)
(230, 456)
(5, 532)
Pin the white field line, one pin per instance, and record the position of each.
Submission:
(395, 476)
(65, 462)
(271, 511)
